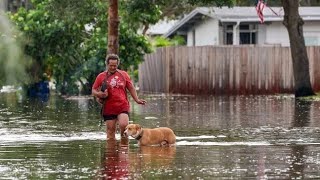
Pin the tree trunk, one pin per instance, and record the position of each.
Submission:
(293, 22)
(113, 27)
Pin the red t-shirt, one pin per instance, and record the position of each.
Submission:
(117, 83)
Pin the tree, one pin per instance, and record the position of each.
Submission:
(113, 27)
(67, 40)
(294, 24)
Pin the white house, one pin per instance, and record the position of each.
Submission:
(241, 25)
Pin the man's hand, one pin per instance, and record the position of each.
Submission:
(100, 101)
(99, 95)
(102, 95)
(141, 101)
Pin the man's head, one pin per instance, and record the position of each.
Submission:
(112, 62)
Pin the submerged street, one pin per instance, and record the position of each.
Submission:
(218, 137)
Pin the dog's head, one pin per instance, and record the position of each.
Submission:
(132, 130)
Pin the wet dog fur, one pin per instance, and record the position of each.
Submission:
(161, 136)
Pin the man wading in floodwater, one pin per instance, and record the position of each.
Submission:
(110, 90)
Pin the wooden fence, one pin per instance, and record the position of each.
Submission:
(224, 70)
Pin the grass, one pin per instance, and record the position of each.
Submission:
(311, 98)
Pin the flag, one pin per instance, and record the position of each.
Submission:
(259, 7)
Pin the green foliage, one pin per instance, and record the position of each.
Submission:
(48, 40)
(64, 48)
(315, 97)
(132, 47)
(12, 61)
(178, 40)
(140, 11)
(161, 41)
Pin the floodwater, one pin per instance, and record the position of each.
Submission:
(238, 137)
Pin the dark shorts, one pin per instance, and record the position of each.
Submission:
(113, 116)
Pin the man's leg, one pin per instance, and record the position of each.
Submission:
(123, 119)
(111, 129)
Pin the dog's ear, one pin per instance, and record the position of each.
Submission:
(138, 127)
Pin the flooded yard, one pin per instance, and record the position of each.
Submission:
(218, 137)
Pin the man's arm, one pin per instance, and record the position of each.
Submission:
(96, 88)
(134, 95)
(99, 94)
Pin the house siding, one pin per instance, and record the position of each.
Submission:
(209, 32)
(277, 34)
(206, 32)
(311, 33)
(221, 35)
(202, 26)
(190, 38)
(262, 31)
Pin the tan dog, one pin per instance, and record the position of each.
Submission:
(158, 136)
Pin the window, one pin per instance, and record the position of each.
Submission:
(229, 38)
(228, 35)
(247, 34)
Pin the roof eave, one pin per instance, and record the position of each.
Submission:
(184, 21)
(266, 19)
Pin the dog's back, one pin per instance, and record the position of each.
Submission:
(158, 136)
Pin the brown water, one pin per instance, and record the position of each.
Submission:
(239, 137)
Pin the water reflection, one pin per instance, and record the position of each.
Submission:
(115, 159)
(239, 137)
(121, 162)
(192, 113)
(152, 158)
(302, 110)
(298, 152)
(297, 162)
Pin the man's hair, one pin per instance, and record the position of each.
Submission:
(113, 57)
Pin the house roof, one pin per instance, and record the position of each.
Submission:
(239, 14)
(161, 27)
